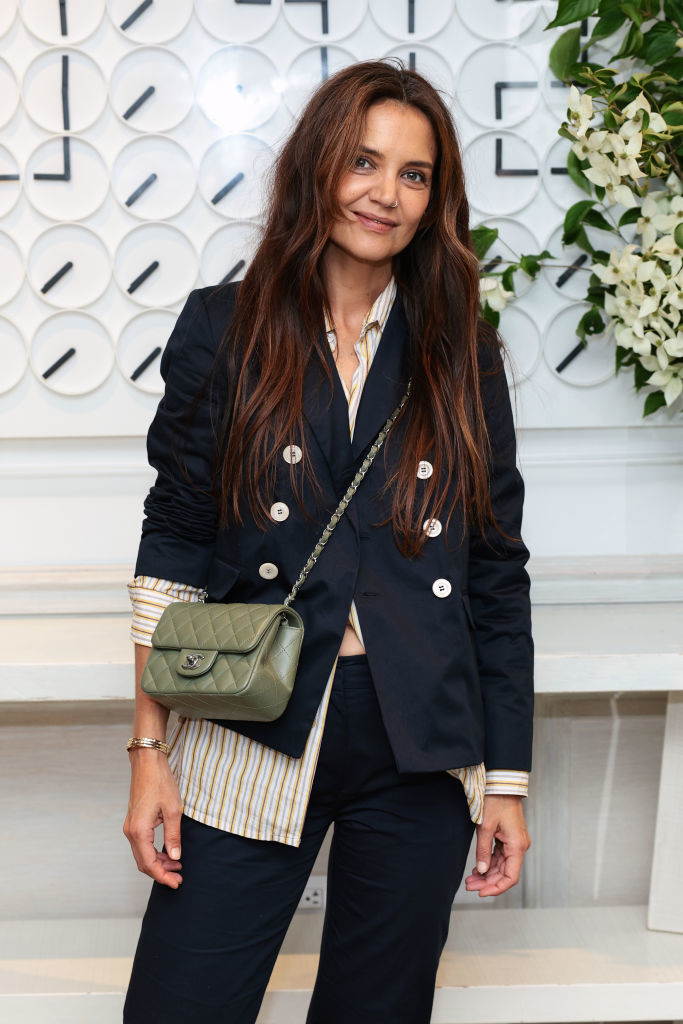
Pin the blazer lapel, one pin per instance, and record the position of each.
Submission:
(327, 412)
(386, 382)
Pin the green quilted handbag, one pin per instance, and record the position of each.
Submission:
(237, 661)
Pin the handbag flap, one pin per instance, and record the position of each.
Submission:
(228, 628)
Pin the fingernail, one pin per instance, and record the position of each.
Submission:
(175, 853)
(481, 867)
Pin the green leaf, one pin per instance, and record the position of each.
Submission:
(632, 12)
(482, 239)
(582, 241)
(565, 53)
(492, 315)
(506, 279)
(572, 10)
(530, 264)
(600, 192)
(659, 43)
(653, 402)
(596, 220)
(678, 235)
(610, 120)
(630, 216)
(673, 11)
(631, 43)
(575, 172)
(574, 219)
(673, 117)
(640, 375)
(607, 26)
(591, 322)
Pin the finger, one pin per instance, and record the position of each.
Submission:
(505, 879)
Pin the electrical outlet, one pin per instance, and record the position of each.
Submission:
(313, 897)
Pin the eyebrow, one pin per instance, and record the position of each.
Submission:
(414, 163)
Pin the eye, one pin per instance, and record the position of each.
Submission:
(358, 162)
(419, 178)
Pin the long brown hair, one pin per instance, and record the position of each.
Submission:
(276, 327)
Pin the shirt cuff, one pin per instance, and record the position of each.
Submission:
(504, 781)
(149, 596)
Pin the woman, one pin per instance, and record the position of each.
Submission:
(411, 717)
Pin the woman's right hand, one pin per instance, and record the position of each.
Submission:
(154, 799)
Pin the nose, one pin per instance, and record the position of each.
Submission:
(384, 191)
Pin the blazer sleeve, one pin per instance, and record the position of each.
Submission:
(499, 589)
(180, 519)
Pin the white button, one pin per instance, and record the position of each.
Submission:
(432, 527)
(279, 511)
(268, 570)
(441, 588)
(292, 453)
(425, 470)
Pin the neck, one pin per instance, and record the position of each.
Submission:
(352, 285)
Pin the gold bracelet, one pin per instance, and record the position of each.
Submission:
(147, 741)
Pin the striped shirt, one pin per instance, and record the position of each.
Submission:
(235, 783)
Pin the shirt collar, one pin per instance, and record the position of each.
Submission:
(377, 315)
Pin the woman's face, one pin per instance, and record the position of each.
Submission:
(386, 193)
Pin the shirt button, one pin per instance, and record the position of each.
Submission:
(432, 527)
(425, 470)
(279, 511)
(292, 454)
(441, 588)
(268, 570)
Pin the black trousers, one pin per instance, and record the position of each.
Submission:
(398, 853)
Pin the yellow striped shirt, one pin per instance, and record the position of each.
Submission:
(235, 783)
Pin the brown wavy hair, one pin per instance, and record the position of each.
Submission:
(277, 324)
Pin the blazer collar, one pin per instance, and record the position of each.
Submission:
(326, 408)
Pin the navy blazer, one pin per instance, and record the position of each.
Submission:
(453, 675)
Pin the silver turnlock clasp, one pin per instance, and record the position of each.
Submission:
(192, 660)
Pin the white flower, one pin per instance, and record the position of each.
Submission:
(673, 182)
(639, 103)
(491, 290)
(657, 124)
(579, 111)
(671, 383)
(590, 143)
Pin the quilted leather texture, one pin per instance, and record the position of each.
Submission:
(253, 674)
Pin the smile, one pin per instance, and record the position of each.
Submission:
(374, 223)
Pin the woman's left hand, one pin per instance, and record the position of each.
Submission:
(503, 822)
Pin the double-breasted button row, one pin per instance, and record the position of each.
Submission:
(268, 570)
(279, 511)
(441, 587)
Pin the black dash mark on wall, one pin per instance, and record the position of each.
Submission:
(232, 273)
(568, 358)
(324, 64)
(142, 98)
(59, 362)
(139, 370)
(578, 262)
(141, 278)
(134, 196)
(134, 15)
(323, 11)
(411, 16)
(498, 92)
(222, 193)
(493, 263)
(52, 281)
(64, 175)
(62, 18)
(65, 92)
(412, 63)
(510, 172)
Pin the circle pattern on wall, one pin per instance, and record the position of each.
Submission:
(523, 341)
(69, 266)
(44, 19)
(497, 19)
(501, 170)
(568, 273)
(155, 265)
(231, 176)
(13, 355)
(11, 268)
(239, 87)
(153, 177)
(234, 22)
(497, 86)
(325, 20)
(411, 19)
(568, 358)
(156, 23)
(72, 181)
(513, 240)
(61, 77)
(9, 93)
(309, 69)
(140, 347)
(228, 252)
(151, 89)
(8, 12)
(556, 180)
(72, 353)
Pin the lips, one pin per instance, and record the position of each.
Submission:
(377, 220)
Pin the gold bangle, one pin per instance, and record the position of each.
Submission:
(147, 741)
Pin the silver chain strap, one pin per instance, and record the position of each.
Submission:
(341, 507)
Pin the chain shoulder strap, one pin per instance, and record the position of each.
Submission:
(343, 504)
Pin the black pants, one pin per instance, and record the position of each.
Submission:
(398, 853)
